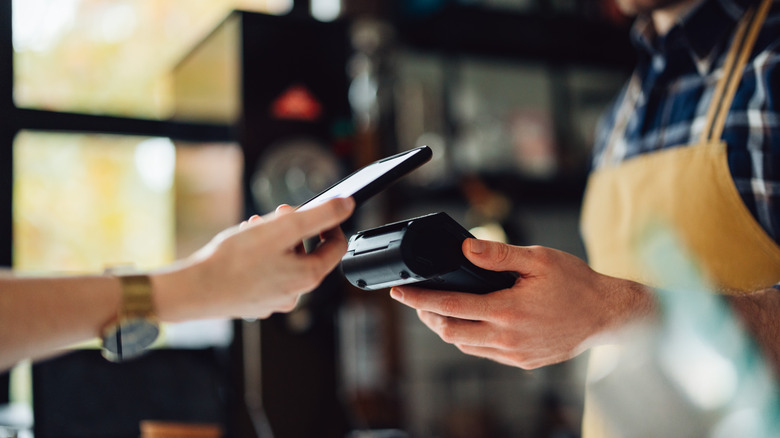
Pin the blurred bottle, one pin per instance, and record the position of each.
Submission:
(695, 372)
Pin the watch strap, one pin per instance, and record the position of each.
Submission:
(136, 297)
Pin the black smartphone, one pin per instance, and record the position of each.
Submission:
(373, 178)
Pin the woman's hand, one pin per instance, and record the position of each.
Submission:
(256, 268)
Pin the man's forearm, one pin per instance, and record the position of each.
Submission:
(759, 312)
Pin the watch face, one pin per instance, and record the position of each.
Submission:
(131, 338)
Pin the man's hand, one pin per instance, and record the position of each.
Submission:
(558, 307)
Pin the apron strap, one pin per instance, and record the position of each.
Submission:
(733, 68)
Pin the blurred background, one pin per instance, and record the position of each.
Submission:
(134, 130)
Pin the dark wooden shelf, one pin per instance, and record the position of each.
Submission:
(479, 32)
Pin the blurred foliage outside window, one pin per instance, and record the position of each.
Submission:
(85, 201)
(111, 56)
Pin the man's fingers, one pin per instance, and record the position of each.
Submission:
(501, 356)
(458, 331)
(455, 304)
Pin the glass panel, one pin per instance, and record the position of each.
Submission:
(85, 201)
(111, 56)
(208, 200)
(208, 192)
(504, 116)
(206, 84)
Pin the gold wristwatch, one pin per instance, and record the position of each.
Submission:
(135, 328)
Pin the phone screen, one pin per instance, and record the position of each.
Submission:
(373, 178)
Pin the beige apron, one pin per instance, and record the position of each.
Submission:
(688, 189)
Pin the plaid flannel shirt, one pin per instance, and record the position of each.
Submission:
(678, 72)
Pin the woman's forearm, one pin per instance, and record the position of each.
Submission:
(41, 315)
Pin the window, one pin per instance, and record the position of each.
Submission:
(110, 56)
(86, 201)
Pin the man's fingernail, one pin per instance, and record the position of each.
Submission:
(396, 294)
(477, 246)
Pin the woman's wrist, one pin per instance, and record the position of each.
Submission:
(173, 290)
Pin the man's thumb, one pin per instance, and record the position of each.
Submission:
(494, 256)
